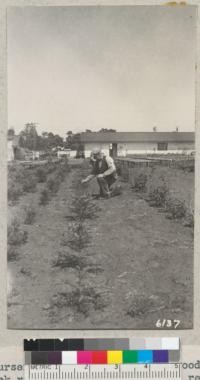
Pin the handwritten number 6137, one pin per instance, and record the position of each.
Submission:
(168, 323)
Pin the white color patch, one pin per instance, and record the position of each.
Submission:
(69, 357)
(170, 344)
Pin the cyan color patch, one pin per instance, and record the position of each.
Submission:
(145, 356)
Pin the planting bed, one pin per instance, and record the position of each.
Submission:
(131, 267)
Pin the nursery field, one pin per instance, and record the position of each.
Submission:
(75, 262)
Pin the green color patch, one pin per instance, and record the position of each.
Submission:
(130, 356)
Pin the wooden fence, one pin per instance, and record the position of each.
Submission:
(152, 161)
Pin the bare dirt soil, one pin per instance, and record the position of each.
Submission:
(143, 261)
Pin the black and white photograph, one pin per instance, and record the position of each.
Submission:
(100, 167)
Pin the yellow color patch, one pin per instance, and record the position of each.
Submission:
(114, 357)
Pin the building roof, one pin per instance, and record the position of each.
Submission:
(125, 137)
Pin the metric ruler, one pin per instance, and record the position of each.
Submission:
(103, 372)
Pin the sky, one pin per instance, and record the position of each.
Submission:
(90, 67)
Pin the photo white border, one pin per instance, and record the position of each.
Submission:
(14, 338)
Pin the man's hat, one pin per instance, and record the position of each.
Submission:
(96, 150)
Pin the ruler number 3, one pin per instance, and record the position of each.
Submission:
(173, 323)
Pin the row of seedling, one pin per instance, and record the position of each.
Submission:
(84, 297)
(22, 179)
(53, 183)
(174, 208)
(17, 235)
(158, 195)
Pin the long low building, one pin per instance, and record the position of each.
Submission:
(123, 143)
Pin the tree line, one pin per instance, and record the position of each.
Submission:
(30, 139)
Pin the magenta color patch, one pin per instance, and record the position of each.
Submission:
(84, 357)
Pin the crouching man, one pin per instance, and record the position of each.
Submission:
(105, 172)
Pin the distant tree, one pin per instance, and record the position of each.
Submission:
(107, 130)
(58, 141)
(31, 129)
(11, 132)
(76, 142)
(28, 137)
(68, 139)
(73, 142)
(41, 143)
(22, 139)
(88, 131)
(51, 141)
(45, 135)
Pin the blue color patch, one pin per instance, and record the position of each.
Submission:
(145, 356)
(160, 356)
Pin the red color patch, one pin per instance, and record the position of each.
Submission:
(99, 357)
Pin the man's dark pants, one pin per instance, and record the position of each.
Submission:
(105, 184)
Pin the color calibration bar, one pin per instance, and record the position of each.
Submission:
(92, 344)
(102, 351)
(102, 357)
